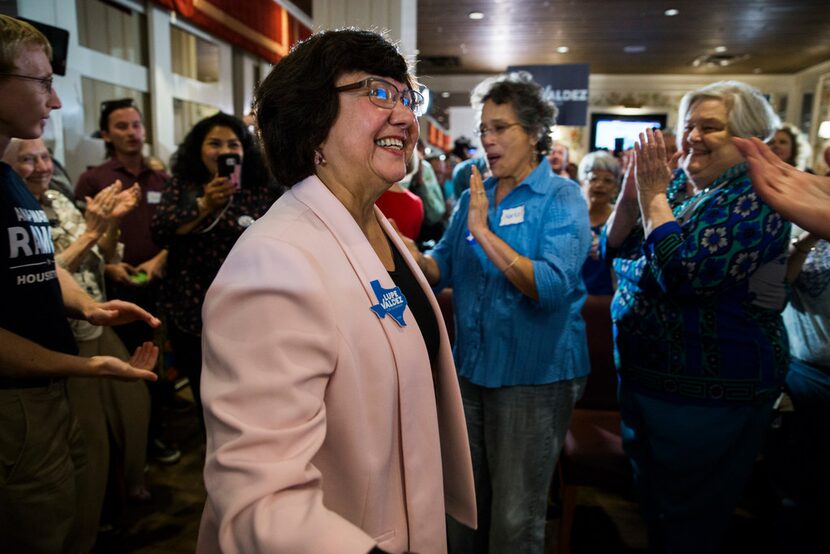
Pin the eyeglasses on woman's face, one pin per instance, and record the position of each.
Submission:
(45, 82)
(496, 130)
(386, 95)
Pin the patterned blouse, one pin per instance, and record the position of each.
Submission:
(67, 225)
(698, 307)
(194, 259)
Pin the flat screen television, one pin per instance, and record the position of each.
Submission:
(616, 132)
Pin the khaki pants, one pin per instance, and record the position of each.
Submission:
(41, 462)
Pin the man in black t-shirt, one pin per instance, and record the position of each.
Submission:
(40, 453)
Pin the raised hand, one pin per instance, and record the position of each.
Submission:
(628, 194)
(99, 210)
(652, 172)
(798, 196)
(477, 214)
(125, 200)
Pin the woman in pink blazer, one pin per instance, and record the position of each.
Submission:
(333, 414)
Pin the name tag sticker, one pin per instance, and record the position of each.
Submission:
(153, 197)
(512, 216)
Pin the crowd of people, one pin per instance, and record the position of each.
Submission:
(298, 294)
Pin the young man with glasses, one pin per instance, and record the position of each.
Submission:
(41, 455)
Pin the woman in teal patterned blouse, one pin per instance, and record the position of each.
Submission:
(700, 345)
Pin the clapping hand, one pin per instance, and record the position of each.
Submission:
(651, 171)
(125, 200)
(477, 214)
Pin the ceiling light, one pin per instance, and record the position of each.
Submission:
(720, 49)
(634, 49)
(475, 15)
(718, 60)
(563, 49)
(445, 94)
(671, 12)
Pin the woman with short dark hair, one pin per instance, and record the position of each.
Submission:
(333, 414)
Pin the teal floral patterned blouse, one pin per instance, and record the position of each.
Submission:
(697, 313)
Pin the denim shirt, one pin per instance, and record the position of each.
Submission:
(503, 337)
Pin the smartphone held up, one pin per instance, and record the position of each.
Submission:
(230, 166)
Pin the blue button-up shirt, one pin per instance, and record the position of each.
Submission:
(503, 337)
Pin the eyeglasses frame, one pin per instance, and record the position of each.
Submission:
(45, 81)
(417, 96)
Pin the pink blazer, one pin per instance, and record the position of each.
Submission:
(327, 431)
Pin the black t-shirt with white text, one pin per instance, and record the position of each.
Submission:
(32, 305)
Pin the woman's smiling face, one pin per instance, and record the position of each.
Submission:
(708, 150)
(368, 145)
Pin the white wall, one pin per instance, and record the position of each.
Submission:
(66, 129)
(659, 93)
(397, 17)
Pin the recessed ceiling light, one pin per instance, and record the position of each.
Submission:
(563, 49)
(671, 12)
(720, 48)
(475, 15)
(445, 94)
(634, 49)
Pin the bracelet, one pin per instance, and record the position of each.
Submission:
(796, 243)
(516, 259)
(201, 204)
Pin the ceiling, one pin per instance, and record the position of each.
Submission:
(764, 36)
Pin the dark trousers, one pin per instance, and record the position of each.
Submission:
(137, 333)
(187, 351)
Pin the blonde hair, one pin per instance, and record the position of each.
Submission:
(14, 35)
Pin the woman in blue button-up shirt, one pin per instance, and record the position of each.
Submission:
(513, 255)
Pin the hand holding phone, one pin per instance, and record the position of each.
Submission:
(230, 166)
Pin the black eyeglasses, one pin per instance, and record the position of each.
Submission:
(385, 95)
(46, 82)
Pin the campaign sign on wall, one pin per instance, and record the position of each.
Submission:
(569, 83)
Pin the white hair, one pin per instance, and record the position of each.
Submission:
(750, 114)
(599, 161)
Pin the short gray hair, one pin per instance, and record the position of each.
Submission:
(750, 114)
(533, 105)
(599, 161)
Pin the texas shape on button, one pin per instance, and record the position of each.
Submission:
(390, 301)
